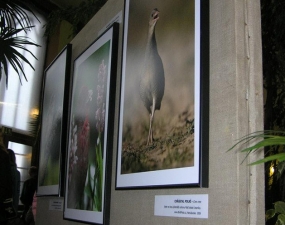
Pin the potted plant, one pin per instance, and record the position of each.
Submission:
(257, 141)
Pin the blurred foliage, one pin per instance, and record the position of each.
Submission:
(273, 34)
(273, 47)
(77, 16)
(279, 211)
(258, 141)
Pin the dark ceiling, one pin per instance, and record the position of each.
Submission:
(47, 6)
(64, 3)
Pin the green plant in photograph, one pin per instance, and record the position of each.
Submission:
(98, 177)
(94, 184)
(256, 142)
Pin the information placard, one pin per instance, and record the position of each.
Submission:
(191, 206)
(56, 204)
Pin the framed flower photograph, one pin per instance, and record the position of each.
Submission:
(90, 132)
(164, 104)
(53, 125)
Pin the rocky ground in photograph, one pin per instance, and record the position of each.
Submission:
(173, 150)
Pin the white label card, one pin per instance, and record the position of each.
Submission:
(190, 206)
(56, 204)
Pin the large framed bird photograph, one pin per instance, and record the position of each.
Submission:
(90, 131)
(55, 90)
(164, 97)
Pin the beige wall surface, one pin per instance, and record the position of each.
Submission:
(236, 191)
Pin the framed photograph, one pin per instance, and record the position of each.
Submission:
(91, 122)
(53, 125)
(163, 124)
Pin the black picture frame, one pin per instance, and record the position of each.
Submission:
(90, 131)
(54, 106)
(165, 58)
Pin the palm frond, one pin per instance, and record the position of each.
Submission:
(260, 139)
(10, 44)
(13, 13)
(280, 157)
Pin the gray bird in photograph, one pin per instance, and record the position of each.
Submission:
(152, 78)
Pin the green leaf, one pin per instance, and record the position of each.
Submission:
(280, 157)
(269, 214)
(88, 187)
(260, 139)
(279, 207)
(281, 219)
(281, 168)
(269, 141)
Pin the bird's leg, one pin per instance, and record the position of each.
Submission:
(151, 118)
(149, 140)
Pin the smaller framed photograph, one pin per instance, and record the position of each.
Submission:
(53, 118)
(90, 131)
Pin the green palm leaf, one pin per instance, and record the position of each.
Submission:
(260, 139)
(10, 44)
